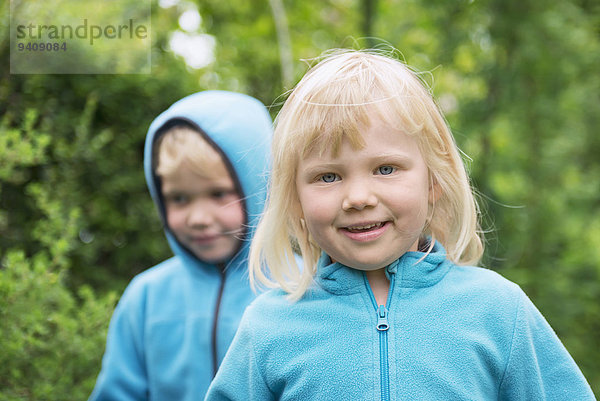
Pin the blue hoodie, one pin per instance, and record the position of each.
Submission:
(447, 332)
(175, 321)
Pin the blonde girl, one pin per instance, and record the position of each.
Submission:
(369, 185)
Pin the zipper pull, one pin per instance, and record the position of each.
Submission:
(382, 321)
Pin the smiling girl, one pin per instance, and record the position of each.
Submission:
(368, 183)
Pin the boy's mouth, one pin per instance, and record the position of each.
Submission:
(205, 239)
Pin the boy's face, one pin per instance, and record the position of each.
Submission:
(204, 214)
(366, 207)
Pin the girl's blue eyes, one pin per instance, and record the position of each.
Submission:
(385, 170)
(328, 177)
(332, 177)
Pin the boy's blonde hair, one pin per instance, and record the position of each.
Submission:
(331, 103)
(181, 145)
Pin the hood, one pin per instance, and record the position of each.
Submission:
(240, 128)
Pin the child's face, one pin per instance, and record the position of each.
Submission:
(205, 214)
(367, 207)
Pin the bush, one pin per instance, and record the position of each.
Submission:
(52, 340)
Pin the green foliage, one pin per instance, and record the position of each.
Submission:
(51, 338)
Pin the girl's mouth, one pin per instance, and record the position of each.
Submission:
(366, 227)
(365, 232)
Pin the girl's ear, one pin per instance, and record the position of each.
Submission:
(435, 191)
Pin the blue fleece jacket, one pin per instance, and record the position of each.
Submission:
(447, 332)
(176, 318)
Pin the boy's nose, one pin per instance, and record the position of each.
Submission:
(358, 196)
(199, 215)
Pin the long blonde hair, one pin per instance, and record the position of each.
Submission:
(329, 104)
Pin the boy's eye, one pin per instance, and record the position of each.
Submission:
(329, 177)
(220, 194)
(386, 170)
(177, 199)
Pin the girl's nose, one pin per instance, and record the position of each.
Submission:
(359, 195)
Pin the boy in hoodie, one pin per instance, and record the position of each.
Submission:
(206, 163)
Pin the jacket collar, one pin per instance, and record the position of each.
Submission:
(412, 270)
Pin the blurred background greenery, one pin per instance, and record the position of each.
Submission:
(519, 82)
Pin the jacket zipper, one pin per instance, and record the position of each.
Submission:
(382, 327)
(215, 359)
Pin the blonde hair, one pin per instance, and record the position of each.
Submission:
(329, 105)
(181, 145)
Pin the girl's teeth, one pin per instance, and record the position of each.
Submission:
(364, 228)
